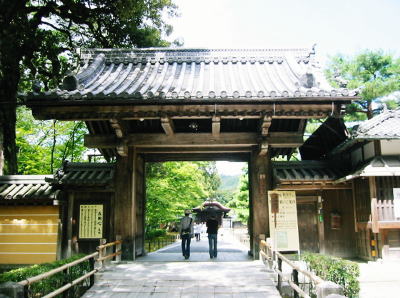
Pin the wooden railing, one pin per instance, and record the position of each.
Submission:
(100, 256)
(274, 261)
(385, 210)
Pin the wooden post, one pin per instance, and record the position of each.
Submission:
(70, 217)
(295, 274)
(259, 177)
(118, 248)
(124, 209)
(101, 253)
(279, 276)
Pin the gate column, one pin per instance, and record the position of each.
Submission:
(259, 178)
(129, 204)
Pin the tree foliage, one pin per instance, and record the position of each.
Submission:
(172, 187)
(39, 38)
(44, 145)
(374, 73)
(240, 202)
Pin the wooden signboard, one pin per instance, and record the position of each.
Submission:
(91, 221)
(283, 224)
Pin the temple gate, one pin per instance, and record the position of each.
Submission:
(191, 104)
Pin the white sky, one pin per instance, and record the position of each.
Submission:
(340, 26)
(336, 26)
(230, 168)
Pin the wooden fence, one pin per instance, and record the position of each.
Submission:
(96, 262)
(385, 210)
(274, 261)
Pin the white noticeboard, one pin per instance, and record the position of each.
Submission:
(285, 235)
(396, 202)
(90, 221)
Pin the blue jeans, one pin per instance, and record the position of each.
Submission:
(186, 245)
(212, 244)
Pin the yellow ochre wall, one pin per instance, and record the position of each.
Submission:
(28, 234)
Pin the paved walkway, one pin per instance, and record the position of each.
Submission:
(380, 279)
(166, 273)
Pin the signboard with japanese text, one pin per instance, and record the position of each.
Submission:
(284, 230)
(396, 202)
(91, 221)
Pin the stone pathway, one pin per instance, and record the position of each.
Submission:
(380, 279)
(166, 273)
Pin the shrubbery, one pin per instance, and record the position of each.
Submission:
(47, 285)
(342, 272)
(154, 233)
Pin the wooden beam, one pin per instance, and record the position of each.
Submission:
(126, 111)
(119, 127)
(193, 150)
(216, 126)
(168, 125)
(285, 139)
(276, 140)
(311, 186)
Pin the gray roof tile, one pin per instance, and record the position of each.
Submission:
(383, 126)
(84, 174)
(26, 187)
(175, 73)
(305, 171)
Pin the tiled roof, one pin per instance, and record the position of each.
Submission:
(189, 74)
(305, 171)
(16, 187)
(383, 126)
(378, 166)
(84, 174)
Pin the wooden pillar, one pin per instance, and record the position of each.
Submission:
(70, 218)
(259, 176)
(124, 204)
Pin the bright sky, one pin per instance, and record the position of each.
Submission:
(339, 26)
(230, 168)
(336, 26)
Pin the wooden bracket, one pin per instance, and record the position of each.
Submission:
(265, 124)
(168, 125)
(119, 128)
(216, 125)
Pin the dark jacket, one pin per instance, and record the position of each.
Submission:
(212, 226)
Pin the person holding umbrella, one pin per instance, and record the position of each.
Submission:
(212, 231)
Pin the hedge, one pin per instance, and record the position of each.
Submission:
(47, 285)
(340, 271)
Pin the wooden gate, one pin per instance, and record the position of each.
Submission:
(308, 229)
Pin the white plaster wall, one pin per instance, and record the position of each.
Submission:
(369, 150)
(390, 147)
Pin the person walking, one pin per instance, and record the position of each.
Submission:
(186, 232)
(212, 231)
(197, 230)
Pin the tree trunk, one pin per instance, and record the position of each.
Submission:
(8, 119)
(8, 102)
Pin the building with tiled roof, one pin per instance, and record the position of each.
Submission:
(160, 104)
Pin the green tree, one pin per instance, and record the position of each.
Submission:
(373, 72)
(172, 187)
(240, 202)
(44, 145)
(39, 37)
